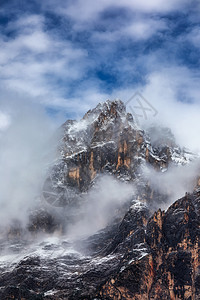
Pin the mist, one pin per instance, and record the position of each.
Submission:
(27, 147)
(174, 92)
(175, 182)
(101, 205)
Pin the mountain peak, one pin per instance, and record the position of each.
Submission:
(107, 140)
(109, 107)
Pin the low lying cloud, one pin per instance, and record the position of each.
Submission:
(101, 206)
(26, 148)
(173, 183)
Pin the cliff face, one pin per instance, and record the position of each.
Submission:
(170, 266)
(140, 254)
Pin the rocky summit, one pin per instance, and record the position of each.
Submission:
(105, 228)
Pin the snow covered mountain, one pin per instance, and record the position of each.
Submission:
(97, 235)
(107, 140)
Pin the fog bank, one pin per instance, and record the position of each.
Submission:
(26, 148)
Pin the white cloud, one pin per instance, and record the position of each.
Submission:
(101, 205)
(25, 151)
(36, 42)
(26, 23)
(194, 36)
(34, 60)
(145, 28)
(89, 10)
(175, 182)
(4, 121)
(174, 91)
(139, 29)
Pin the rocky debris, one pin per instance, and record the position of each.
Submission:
(43, 221)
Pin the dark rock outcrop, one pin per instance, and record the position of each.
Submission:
(171, 266)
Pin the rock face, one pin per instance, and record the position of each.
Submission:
(107, 140)
(140, 254)
(170, 267)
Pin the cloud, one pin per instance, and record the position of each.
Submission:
(144, 29)
(174, 183)
(33, 61)
(194, 36)
(4, 121)
(140, 29)
(101, 205)
(25, 152)
(90, 11)
(174, 92)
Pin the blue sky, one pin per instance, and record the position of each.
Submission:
(69, 55)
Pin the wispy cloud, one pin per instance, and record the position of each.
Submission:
(139, 29)
(26, 149)
(4, 121)
(194, 36)
(88, 11)
(33, 61)
(174, 91)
